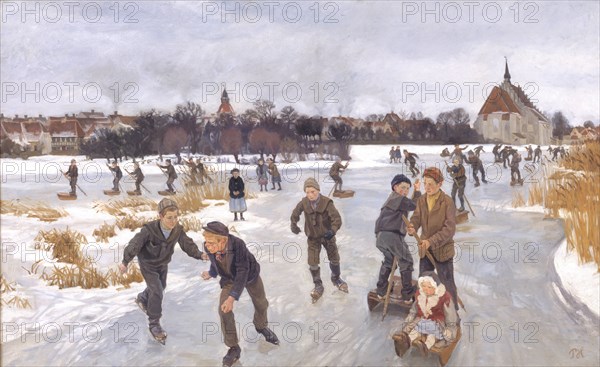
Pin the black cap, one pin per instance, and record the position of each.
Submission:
(399, 179)
(216, 228)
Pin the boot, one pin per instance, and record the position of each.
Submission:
(318, 290)
(232, 356)
(421, 347)
(408, 290)
(462, 205)
(382, 283)
(157, 331)
(235, 218)
(401, 343)
(269, 335)
(336, 279)
(279, 184)
(242, 216)
(477, 183)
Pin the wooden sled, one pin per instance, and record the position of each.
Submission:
(462, 217)
(66, 196)
(516, 183)
(111, 192)
(442, 348)
(134, 193)
(343, 194)
(166, 193)
(528, 158)
(395, 296)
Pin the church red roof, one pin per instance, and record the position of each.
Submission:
(498, 101)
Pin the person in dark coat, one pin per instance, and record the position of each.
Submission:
(238, 269)
(237, 202)
(334, 173)
(505, 154)
(496, 151)
(275, 175)
(458, 153)
(154, 246)
(478, 150)
(515, 173)
(171, 175)
(390, 230)
(72, 174)
(321, 223)
(457, 171)
(411, 160)
(139, 177)
(537, 154)
(476, 166)
(436, 216)
(529, 153)
(117, 173)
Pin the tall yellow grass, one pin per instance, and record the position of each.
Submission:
(37, 210)
(104, 232)
(518, 200)
(63, 244)
(134, 204)
(16, 300)
(573, 193)
(191, 224)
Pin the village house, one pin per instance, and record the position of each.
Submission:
(28, 132)
(508, 116)
(66, 133)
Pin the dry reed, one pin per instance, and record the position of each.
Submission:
(37, 210)
(518, 200)
(127, 206)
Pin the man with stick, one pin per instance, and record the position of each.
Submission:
(335, 173)
(171, 175)
(116, 170)
(138, 175)
(435, 214)
(72, 174)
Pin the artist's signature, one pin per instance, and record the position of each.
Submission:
(576, 353)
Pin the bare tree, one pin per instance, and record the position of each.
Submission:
(187, 116)
(288, 116)
(259, 141)
(460, 116)
(231, 142)
(264, 112)
(589, 124)
(561, 125)
(341, 133)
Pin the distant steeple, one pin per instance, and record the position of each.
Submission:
(225, 106)
(506, 72)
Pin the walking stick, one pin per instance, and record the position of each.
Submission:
(464, 195)
(64, 174)
(386, 302)
(425, 252)
(341, 173)
(141, 184)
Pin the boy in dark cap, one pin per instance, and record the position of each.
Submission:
(321, 222)
(154, 246)
(238, 269)
(476, 166)
(72, 174)
(390, 230)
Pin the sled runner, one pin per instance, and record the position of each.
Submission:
(516, 183)
(442, 348)
(462, 217)
(111, 192)
(134, 193)
(343, 194)
(166, 193)
(395, 296)
(66, 196)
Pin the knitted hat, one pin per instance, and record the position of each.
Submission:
(434, 173)
(311, 182)
(399, 179)
(217, 228)
(165, 204)
(235, 170)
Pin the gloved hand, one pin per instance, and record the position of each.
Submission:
(295, 228)
(328, 235)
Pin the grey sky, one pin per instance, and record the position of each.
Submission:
(357, 58)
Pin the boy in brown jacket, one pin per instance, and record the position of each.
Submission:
(436, 216)
(321, 222)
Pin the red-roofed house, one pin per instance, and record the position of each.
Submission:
(121, 123)
(66, 134)
(509, 116)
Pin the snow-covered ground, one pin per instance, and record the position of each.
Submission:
(504, 270)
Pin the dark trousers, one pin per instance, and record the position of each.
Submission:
(256, 291)
(460, 188)
(413, 169)
(170, 183)
(445, 271)
(392, 244)
(152, 296)
(73, 185)
(137, 185)
(478, 168)
(314, 251)
(116, 183)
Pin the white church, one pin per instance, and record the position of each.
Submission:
(508, 116)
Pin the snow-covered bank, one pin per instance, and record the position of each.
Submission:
(581, 281)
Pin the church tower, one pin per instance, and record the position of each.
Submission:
(225, 106)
